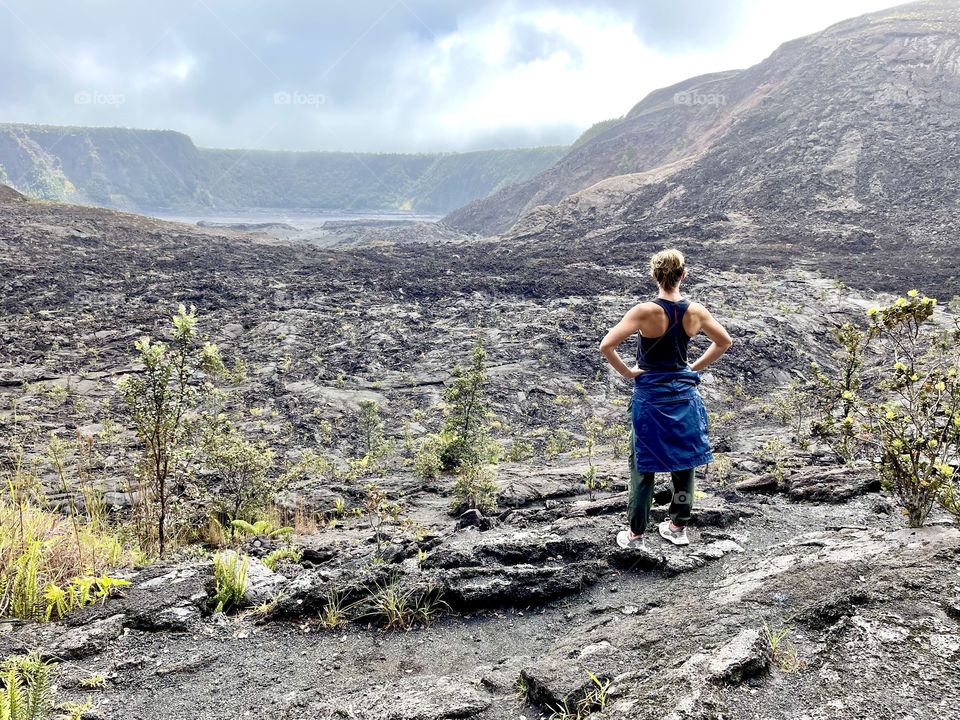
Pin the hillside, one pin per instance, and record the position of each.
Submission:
(163, 170)
(858, 123)
(528, 598)
(377, 472)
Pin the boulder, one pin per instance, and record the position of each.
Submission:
(514, 584)
(832, 485)
(57, 640)
(263, 584)
(424, 697)
(744, 656)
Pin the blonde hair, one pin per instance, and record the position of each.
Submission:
(667, 267)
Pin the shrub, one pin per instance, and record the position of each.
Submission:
(791, 409)
(618, 435)
(773, 453)
(377, 510)
(427, 461)
(721, 468)
(520, 449)
(903, 405)
(832, 398)
(310, 467)
(917, 422)
(559, 441)
(370, 427)
(241, 468)
(474, 488)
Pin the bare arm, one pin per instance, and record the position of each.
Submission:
(629, 325)
(721, 340)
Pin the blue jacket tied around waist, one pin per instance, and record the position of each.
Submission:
(669, 422)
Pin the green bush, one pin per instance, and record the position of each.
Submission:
(832, 397)
(904, 413)
(559, 441)
(617, 433)
(475, 489)
(917, 421)
(241, 467)
(520, 449)
(721, 468)
(370, 427)
(427, 461)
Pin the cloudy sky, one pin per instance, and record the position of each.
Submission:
(375, 75)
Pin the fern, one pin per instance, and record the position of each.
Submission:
(27, 693)
(230, 578)
(39, 695)
(79, 592)
(26, 601)
(290, 554)
(262, 528)
(13, 700)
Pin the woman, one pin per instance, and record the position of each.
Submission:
(669, 421)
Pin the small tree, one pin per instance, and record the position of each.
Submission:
(593, 429)
(466, 410)
(378, 510)
(161, 400)
(370, 425)
(791, 409)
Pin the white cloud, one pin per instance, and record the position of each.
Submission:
(594, 67)
(455, 76)
(162, 73)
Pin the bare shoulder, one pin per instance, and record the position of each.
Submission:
(643, 309)
(699, 310)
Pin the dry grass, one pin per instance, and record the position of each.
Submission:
(53, 549)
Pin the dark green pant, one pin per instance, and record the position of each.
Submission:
(641, 495)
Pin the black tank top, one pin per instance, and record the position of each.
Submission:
(667, 352)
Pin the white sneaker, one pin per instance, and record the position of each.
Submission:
(625, 541)
(677, 537)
